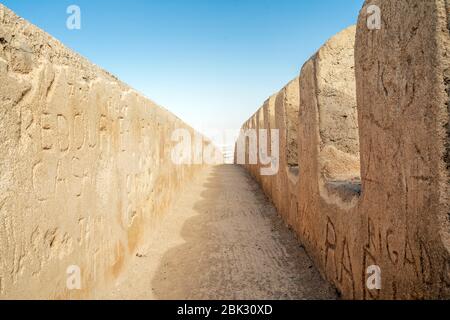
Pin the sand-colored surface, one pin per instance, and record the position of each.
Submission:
(221, 240)
(87, 175)
(371, 184)
(86, 167)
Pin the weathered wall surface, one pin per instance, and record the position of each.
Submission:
(377, 195)
(286, 121)
(85, 167)
(401, 73)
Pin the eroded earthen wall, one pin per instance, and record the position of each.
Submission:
(85, 167)
(403, 113)
(286, 121)
(373, 168)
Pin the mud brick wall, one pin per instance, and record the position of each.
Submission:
(85, 167)
(371, 185)
(402, 73)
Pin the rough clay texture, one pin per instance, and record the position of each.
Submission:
(85, 167)
(286, 119)
(387, 205)
(222, 240)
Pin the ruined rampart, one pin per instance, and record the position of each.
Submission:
(85, 167)
(369, 183)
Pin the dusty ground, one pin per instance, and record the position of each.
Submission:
(222, 240)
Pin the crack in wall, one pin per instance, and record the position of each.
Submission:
(447, 88)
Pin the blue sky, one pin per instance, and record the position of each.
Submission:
(211, 62)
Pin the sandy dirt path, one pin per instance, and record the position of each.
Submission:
(222, 240)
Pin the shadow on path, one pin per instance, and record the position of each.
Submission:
(236, 247)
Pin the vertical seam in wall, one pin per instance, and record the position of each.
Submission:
(447, 88)
(447, 8)
(442, 42)
(320, 179)
(316, 95)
